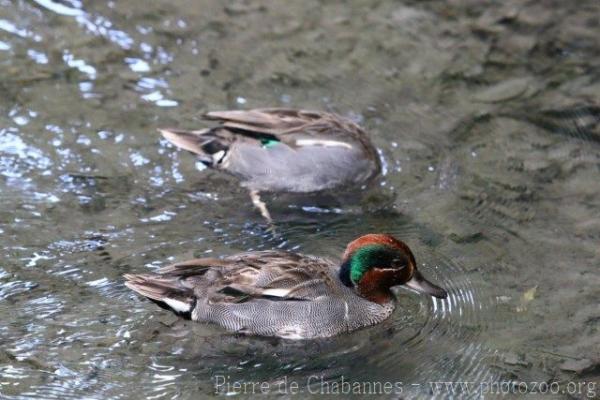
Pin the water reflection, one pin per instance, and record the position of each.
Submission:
(485, 118)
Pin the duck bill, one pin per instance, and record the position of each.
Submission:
(422, 285)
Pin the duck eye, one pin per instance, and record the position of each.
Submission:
(399, 262)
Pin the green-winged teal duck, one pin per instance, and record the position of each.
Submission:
(294, 296)
(283, 150)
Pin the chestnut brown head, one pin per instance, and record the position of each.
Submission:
(373, 263)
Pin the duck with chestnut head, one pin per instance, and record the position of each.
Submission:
(289, 295)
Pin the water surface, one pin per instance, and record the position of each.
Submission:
(487, 118)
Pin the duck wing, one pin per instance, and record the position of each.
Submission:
(282, 123)
(296, 128)
(280, 275)
(265, 275)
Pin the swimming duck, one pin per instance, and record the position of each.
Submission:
(289, 295)
(283, 150)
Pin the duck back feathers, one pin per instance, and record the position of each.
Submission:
(283, 150)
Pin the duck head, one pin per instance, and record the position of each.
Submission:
(373, 263)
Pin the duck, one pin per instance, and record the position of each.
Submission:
(288, 295)
(282, 150)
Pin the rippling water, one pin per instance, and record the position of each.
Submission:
(487, 118)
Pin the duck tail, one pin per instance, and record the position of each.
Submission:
(210, 148)
(167, 292)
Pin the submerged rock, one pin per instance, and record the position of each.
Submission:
(578, 366)
(503, 91)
